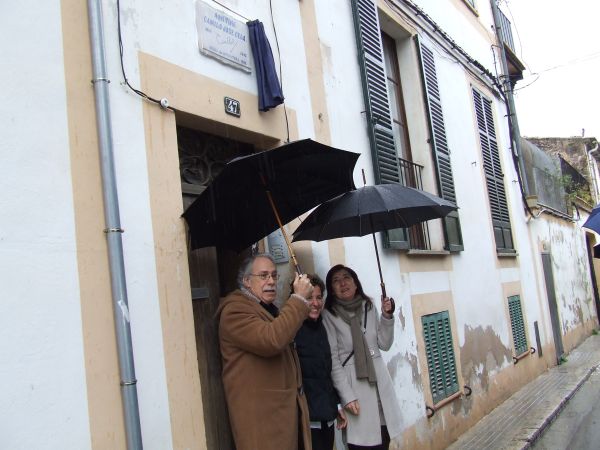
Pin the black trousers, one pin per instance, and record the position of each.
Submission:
(322, 438)
(385, 442)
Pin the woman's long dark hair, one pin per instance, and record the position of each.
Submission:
(330, 299)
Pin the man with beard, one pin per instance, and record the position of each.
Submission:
(261, 371)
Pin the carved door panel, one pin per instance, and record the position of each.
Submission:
(212, 275)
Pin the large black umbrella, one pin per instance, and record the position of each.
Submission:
(370, 209)
(255, 194)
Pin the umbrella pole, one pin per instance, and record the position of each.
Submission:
(285, 236)
(383, 293)
(382, 284)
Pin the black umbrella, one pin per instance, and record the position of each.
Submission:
(255, 194)
(370, 209)
(593, 221)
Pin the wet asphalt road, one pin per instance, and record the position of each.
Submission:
(577, 425)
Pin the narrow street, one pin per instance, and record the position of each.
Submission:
(576, 427)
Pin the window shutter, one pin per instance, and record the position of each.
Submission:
(379, 122)
(517, 324)
(439, 351)
(439, 146)
(493, 172)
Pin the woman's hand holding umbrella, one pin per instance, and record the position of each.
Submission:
(387, 306)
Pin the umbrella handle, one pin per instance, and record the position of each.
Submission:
(285, 236)
(381, 283)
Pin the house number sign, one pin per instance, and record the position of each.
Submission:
(232, 106)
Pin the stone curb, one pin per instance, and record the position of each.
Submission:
(550, 418)
(521, 419)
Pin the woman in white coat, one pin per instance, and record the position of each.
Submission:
(356, 334)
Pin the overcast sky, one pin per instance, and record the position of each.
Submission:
(559, 43)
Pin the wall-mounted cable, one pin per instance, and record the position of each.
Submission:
(287, 125)
(163, 102)
(231, 10)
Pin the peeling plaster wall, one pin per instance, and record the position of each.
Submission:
(482, 356)
(565, 241)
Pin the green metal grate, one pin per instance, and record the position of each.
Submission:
(517, 324)
(440, 355)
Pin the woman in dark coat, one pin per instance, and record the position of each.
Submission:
(313, 350)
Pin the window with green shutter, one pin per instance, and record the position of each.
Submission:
(493, 173)
(517, 324)
(439, 351)
(439, 146)
(381, 126)
(377, 109)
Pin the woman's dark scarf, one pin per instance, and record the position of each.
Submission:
(363, 362)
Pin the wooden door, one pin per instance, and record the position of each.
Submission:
(553, 306)
(212, 275)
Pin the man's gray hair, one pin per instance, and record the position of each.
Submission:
(246, 267)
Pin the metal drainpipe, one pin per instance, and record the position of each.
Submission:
(512, 112)
(593, 172)
(113, 230)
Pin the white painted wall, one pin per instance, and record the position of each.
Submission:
(42, 380)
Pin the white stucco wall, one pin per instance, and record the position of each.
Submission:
(42, 380)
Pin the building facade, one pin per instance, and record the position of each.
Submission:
(411, 86)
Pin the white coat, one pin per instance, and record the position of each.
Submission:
(364, 429)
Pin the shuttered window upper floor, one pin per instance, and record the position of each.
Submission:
(405, 124)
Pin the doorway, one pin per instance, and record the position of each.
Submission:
(553, 306)
(213, 274)
(591, 256)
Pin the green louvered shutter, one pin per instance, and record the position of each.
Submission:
(493, 172)
(517, 324)
(440, 355)
(439, 145)
(379, 122)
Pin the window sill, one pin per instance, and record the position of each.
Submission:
(415, 252)
(505, 254)
(473, 10)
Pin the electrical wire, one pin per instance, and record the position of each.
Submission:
(514, 25)
(472, 64)
(537, 73)
(137, 91)
(287, 125)
(537, 77)
(571, 62)
(229, 9)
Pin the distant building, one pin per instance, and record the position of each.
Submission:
(579, 158)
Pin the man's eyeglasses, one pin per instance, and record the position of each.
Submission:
(264, 276)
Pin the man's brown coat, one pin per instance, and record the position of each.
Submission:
(261, 373)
